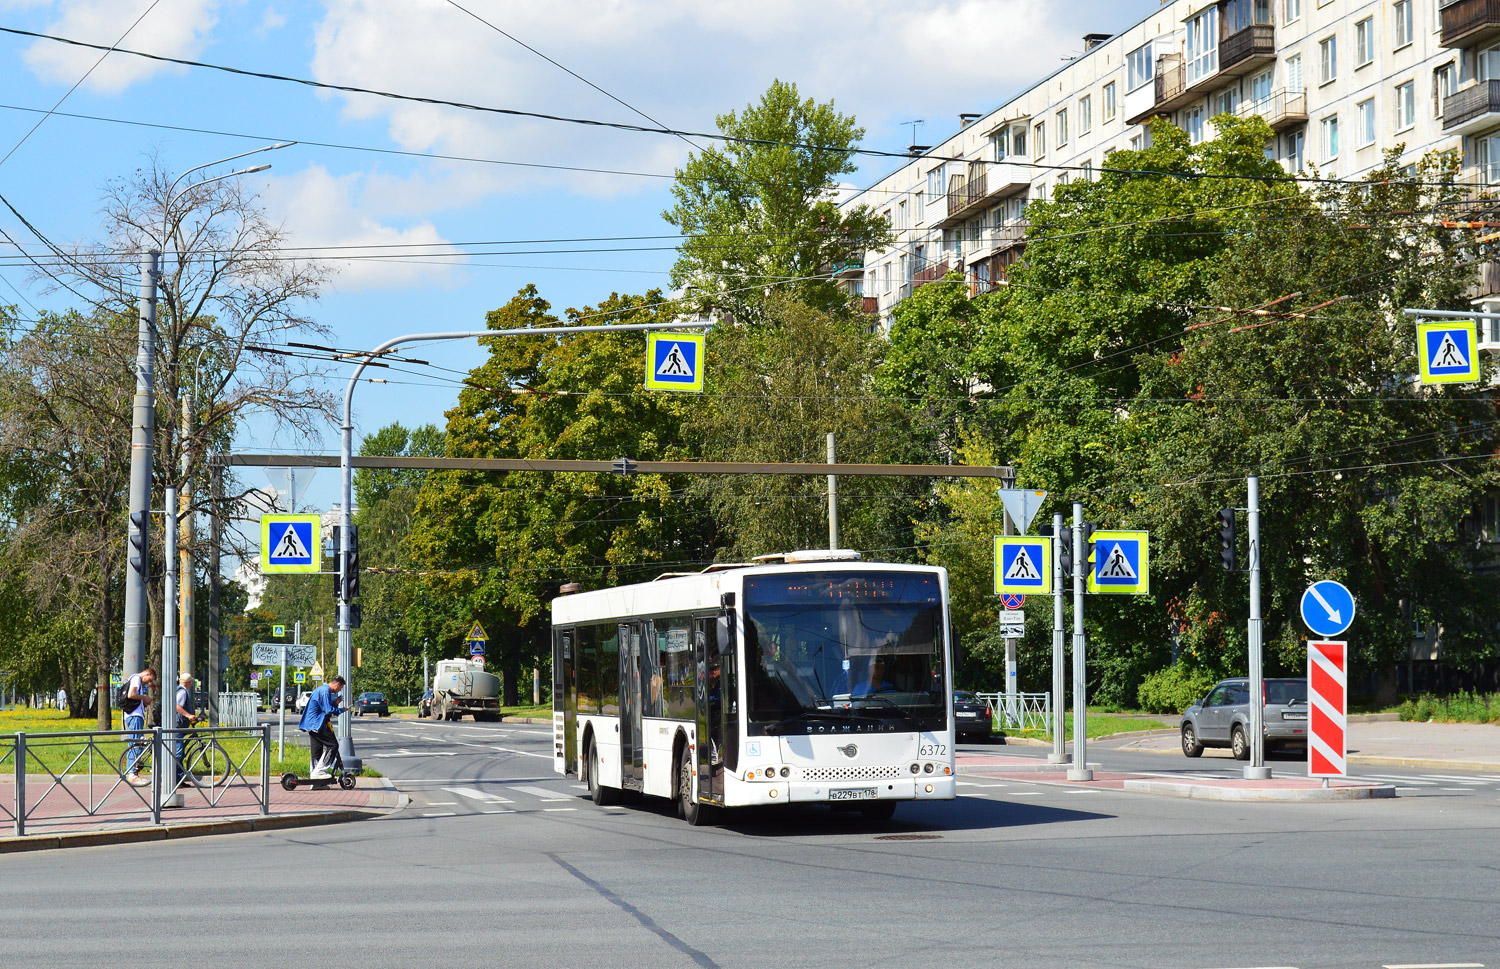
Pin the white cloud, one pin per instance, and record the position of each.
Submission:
(680, 61)
(175, 28)
(355, 210)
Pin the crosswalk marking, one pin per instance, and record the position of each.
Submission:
(478, 795)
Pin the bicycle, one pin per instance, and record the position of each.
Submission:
(205, 762)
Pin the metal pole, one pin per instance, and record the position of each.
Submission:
(20, 783)
(346, 473)
(833, 499)
(142, 431)
(1080, 769)
(1059, 753)
(265, 768)
(1008, 527)
(185, 549)
(166, 767)
(215, 644)
(281, 707)
(1257, 768)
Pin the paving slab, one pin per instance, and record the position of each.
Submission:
(72, 814)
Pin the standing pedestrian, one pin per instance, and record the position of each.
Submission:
(137, 695)
(322, 707)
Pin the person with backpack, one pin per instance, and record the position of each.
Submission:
(133, 702)
(185, 717)
(322, 707)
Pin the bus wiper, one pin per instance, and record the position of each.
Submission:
(844, 717)
(906, 714)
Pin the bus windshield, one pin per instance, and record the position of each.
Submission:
(844, 652)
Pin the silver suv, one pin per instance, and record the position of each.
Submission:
(1222, 719)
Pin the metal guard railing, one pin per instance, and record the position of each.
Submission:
(1024, 711)
(99, 758)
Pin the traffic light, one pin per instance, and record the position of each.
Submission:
(139, 541)
(350, 573)
(354, 615)
(1226, 539)
(1065, 550)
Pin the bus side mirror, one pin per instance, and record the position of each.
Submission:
(727, 624)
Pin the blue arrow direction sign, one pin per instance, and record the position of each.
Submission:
(1327, 608)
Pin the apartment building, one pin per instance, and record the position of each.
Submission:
(1338, 81)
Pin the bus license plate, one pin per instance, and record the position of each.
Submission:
(852, 794)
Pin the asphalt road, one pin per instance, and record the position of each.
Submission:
(499, 862)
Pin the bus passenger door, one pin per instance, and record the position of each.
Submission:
(565, 692)
(632, 752)
(710, 712)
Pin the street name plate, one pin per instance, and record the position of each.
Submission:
(269, 654)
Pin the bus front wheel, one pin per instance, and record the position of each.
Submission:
(692, 812)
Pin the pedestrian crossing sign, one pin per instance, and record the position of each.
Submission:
(1119, 563)
(674, 361)
(1023, 564)
(299, 677)
(290, 543)
(1445, 352)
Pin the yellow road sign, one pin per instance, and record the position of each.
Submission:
(1120, 563)
(1023, 564)
(674, 361)
(290, 543)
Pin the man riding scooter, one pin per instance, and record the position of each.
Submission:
(317, 720)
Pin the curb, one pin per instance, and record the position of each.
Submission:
(1039, 768)
(1210, 792)
(392, 800)
(1373, 760)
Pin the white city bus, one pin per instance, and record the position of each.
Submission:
(805, 677)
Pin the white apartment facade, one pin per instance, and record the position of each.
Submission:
(1339, 81)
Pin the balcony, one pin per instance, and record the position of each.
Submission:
(871, 305)
(1472, 109)
(1469, 23)
(989, 182)
(931, 272)
(1281, 109)
(1486, 286)
(1170, 89)
(1246, 49)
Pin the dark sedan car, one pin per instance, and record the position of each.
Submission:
(973, 719)
(371, 703)
(424, 705)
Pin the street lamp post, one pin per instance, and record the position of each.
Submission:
(143, 429)
(346, 471)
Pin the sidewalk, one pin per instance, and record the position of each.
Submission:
(1384, 743)
(1034, 771)
(121, 814)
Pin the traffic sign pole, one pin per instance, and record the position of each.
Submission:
(1059, 753)
(1009, 527)
(1257, 769)
(1080, 770)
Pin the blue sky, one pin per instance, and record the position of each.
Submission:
(680, 62)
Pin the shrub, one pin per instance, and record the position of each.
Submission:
(1175, 688)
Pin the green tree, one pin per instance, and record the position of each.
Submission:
(496, 546)
(777, 390)
(761, 211)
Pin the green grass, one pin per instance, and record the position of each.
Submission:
(1100, 725)
(1459, 708)
(58, 757)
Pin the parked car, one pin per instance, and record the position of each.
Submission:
(1222, 718)
(371, 703)
(424, 705)
(973, 718)
(302, 699)
(291, 699)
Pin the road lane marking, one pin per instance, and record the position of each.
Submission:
(1435, 965)
(478, 795)
(1025, 794)
(541, 792)
(554, 810)
(439, 814)
(524, 753)
(442, 803)
(498, 811)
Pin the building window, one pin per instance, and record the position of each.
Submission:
(1085, 115)
(1365, 117)
(1062, 127)
(921, 207)
(1487, 64)
(1294, 74)
(1225, 102)
(1039, 138)
(1293, 10)
(1364, 42)
(1487, 158)
(1406, 105)
(901, 217)
(885, 273)
(1260, 89)
(1086, 171)
(1139, 67)
(1442, 87)
(1192, 123)
(1203, 45)
(1109, 101)
(935, 186)
(1331, 138)
(1293, 154)
(1401, 22)
(998, 141)
(1018, 141)
(1328, 59)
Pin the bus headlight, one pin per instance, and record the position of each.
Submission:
(786, 772)
(929, 788)
(927, 768)
(916, 768)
